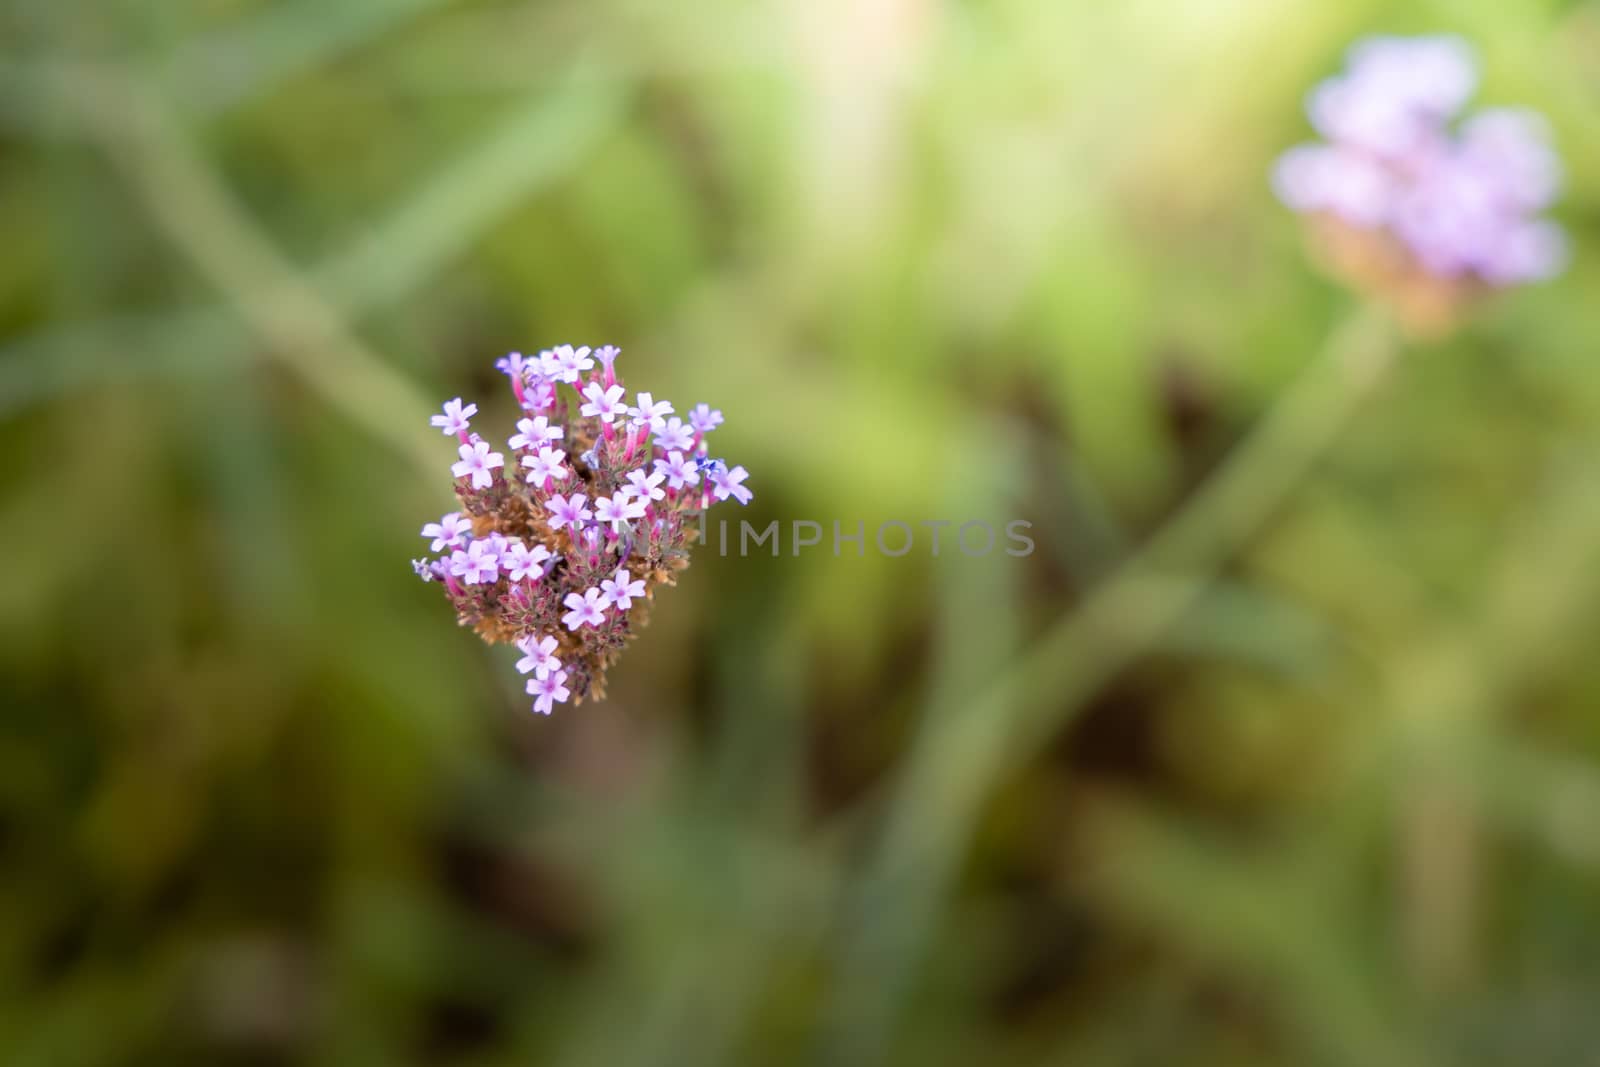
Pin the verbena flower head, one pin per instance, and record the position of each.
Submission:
(561, 542)
(1412, 205)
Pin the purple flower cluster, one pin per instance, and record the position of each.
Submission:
(1461, 200)
(562, 539)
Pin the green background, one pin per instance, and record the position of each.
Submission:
(1283, 759)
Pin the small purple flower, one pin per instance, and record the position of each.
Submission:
(1514, 146)
(424, 569)
(646, 486)
(620, 591)
(566, 363)
(703, 419)
(538, 656)
(534, 434)
(550, 463)
(521, 562)
(451, 531)
(617, 509)
(603, 404)
(673, 434)
(678, 470)
(650, 412)
(548, 691)
(586, 610)
(513, 366)
(479, 462)
(539, 396)
(478, 565)
(456, 419)
(1348, 184)
(726, 483)
(569, 511)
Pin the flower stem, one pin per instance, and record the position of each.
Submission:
(964, 748)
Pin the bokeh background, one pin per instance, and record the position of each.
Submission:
(1291, 757)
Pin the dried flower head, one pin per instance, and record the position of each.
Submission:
(561, 542)
(1412, 207)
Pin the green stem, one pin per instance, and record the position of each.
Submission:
(963, 749)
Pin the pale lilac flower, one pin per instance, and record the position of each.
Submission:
(703, 419)
(534, 433)
(516, 366)
(451, 531)
(478, 565)
(549, 463)
(678, 471)
(538, 656)
(607, 355)
(456, 419)
(617, 509)
(1395, 95)
(646, 486)
(726, 483)
(548, 691)
(478, 461)
(619, 593)
(1514, 145)
(586, 610)
(540, 395)
(604, 404)
(650, 412)
(424, 569)
(673, 434)
(1464, 203)
(1353, 186)
(521, 562)
(568, 511)
(567, 363)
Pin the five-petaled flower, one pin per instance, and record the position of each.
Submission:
(520, 561)
(617, 509)
(703, 419)
(478, 565)
(548, 691)
(456, 419)
(550, 463)
(650, 412)
(620, 591)
(539, 655)
(603, 404)
(566, 363)
(674, 436)
(451, 531)
(534, 434)
(587, 610)
(479, 462)
(569, 511)
(726, 483)
(678, 469)
(646, 486)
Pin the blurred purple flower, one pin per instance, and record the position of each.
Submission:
(1463, 203)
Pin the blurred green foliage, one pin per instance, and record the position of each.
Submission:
(1290, 760)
